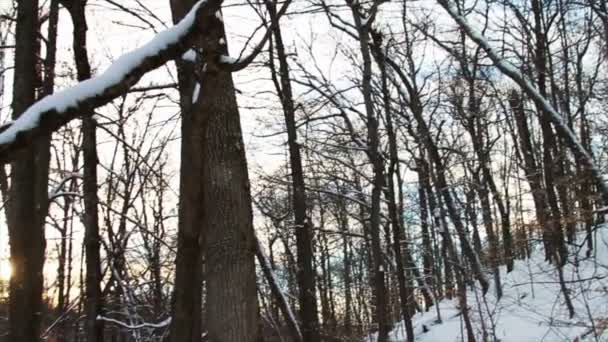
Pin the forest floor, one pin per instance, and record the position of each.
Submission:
(532, 308)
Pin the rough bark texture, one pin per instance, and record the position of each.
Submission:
(215, 208)
(232, 306)
(28, 200)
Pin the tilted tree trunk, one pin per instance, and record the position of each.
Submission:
(28, 197)
(426, 139)
(93, 298)
(424, 172)
(444, 190)
(563, 131)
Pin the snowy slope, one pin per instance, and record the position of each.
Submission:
(532, 308)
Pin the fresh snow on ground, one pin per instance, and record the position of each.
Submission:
(532, 308)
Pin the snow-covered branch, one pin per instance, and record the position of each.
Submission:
(52, 112)
(162, 324)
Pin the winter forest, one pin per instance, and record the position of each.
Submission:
(303, 170)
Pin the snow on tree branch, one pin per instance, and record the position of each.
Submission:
(52, 112)
(162, 324)
(556, 118)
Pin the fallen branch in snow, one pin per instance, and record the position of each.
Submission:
(565, 281)
(557, 120)
(52, 112)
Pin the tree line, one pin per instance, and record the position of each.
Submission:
(426, 146)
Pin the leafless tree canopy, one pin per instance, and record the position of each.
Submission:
(310, 170)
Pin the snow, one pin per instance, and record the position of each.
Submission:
(364, 21)
(162, 324)
(196, 92)
(189, 56)
(113, 75)
(228, 60)
(532, 308)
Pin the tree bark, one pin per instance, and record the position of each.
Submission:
(306, 274)
(405, 294)
(218, 204)
(442, 184)
(232, 307)
(28, 200)
(188, 285)
(93, 297)
(375, 158)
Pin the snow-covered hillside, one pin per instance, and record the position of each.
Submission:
(532, 308)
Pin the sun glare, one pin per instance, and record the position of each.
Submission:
(6, 269)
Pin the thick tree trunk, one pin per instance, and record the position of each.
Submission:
(215, 210)
(232, 309)
(28, 202)
(188, 285)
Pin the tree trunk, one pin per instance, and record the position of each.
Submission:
(531, 171)
(28, 202)
(442, 185)
(93, 297)
(232, 308)
(188, 285)
(303, 230)
(405, 294)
